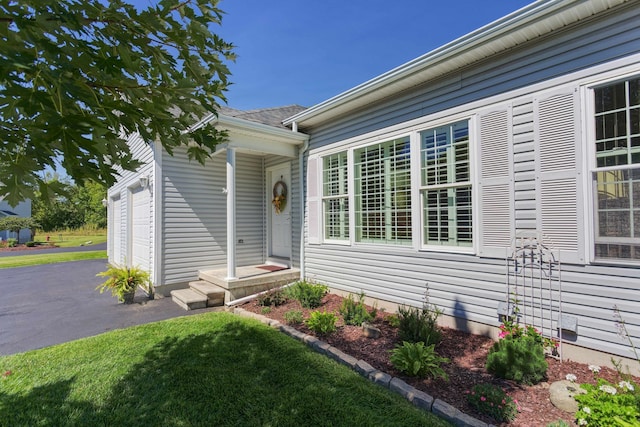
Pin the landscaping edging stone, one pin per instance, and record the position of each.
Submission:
(417, 397)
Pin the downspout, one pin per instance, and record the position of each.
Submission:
(303, 181)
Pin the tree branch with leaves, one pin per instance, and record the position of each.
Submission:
(79, 76)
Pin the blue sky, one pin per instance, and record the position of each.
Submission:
(304, 52)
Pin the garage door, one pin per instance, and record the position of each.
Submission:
(140, 228)
(116, 231)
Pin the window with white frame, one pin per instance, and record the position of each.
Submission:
(382, 174)
(335, 200)
(617, 170)
(446, 185)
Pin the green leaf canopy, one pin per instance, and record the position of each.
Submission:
(78, 76)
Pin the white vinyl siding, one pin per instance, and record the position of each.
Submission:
(446, 185)
(510, 98)
(617, 174)
(335, 197)
(383, 192)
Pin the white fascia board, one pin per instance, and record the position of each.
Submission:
(500, 35)
(247, 126)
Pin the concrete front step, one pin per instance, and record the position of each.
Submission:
(214, 294)
(189, 299)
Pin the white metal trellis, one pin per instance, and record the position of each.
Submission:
(534, 287)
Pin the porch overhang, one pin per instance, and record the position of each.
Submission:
(250, 137)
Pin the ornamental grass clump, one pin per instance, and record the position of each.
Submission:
(491, 400)
(518, 357)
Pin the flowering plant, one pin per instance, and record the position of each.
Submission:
(606, 404)
(510, 329)
(493, 401)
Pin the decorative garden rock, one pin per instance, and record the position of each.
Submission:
(370, 331)
(561, 394)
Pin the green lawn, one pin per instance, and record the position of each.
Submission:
(67, 239)
(212, 369)
(37, 259)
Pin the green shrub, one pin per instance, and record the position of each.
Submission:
(293, 317)
(393, 320)
(517, 358)
(30, 244)
(606, 404)
(322, 323)
(265, 310)
(559, 423)
(12, 242)
(275, 297)
(308, 294)
(419, 325)
(418, 360)
(354, 313)
(491, 400)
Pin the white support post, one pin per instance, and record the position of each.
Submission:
(231, 213)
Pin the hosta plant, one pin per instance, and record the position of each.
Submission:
(322, 323)
(418, 360)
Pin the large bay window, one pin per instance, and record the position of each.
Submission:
(380, 208)
(617, 173)
(383, 192)
(335, 200)
(446, 185)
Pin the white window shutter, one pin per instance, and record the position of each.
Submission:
(495, 187)
(314, 201)
(558, 171)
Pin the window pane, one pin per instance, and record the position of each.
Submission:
(446, 192)
(335, 197)
(383, 192)
(610, 97)
(617, 125)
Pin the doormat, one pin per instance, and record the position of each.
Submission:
(273, 268)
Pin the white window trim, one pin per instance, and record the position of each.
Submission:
(323, 239)
(417, 222)
(417, 184)
(587, 95)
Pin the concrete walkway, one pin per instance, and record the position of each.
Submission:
(55, 303)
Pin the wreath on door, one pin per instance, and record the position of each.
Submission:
(279, 201)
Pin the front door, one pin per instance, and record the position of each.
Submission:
(279, 208)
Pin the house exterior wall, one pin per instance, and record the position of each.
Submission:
(22, 209)
(194, 215)
(529, 126)
(119, 210)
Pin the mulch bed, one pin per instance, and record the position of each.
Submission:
(467, 354)
(21, 248)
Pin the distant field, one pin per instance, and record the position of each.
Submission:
(68, 239)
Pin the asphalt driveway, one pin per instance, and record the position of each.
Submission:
(55, 303)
